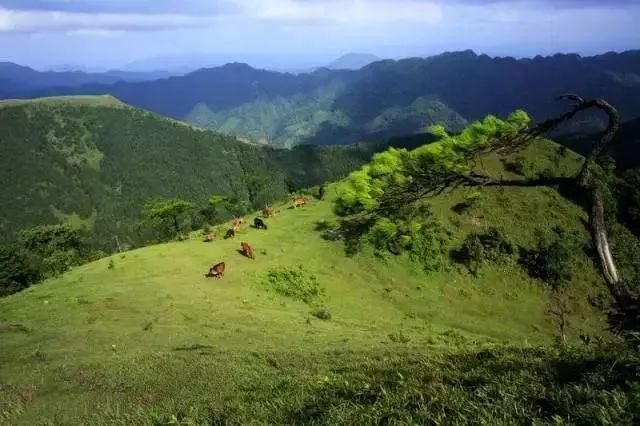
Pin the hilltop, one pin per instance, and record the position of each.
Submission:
(144, 336)
(65, 101)
(352, 61)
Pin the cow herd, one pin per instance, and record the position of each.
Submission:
(217, 270)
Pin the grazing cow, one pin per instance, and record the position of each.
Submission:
(267, 213)
(237, 222)
(259, 224)
(246, 250)
(230, 234)
(299, 202)
(216, 271)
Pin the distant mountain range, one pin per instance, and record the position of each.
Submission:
(380, 100)
(16, 78)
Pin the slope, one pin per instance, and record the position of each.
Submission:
(95, 160)
(144, 337)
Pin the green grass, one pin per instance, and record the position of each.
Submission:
(151, 337)
(91, 101)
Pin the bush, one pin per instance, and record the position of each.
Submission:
(321, 313)
(399, 337)
(429, 247)
(295, 283)
(518, 165)
(476, 249)
(383, 236)
(16, 272)
(552, 259)
(472, 198)
(425, 240)
(53, 249)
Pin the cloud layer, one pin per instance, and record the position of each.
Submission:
(328, 27)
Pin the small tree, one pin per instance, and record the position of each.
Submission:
(168, 213)
(558, 310)
(215, 209)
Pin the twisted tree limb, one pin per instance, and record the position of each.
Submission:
(585, 180)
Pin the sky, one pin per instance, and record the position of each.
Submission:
(161, 34)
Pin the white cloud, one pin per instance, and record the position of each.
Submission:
(47, 21)
(96, 32)
(285, 12)
(356, 12)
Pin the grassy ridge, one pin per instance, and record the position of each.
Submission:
(145, 336)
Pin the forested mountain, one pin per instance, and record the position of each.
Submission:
(383, 99)
(16, 78)
(624, 148)
(95, 160)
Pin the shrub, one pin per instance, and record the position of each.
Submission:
(518, 166)
(476, 249)
(429, 247)
(399, 337)
(382, 236)
(552, 259)
(471, 199)
(53, 249)
(321, 313)
(16, 272)
(295, 283)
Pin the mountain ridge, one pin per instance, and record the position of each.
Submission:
(345, 106)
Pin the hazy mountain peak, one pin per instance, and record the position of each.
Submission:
(353, 61)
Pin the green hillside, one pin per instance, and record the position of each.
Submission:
(96, 161)
(143, 337)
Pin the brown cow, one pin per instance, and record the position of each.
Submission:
(216, 271)
(246, 250)
(210, 237)
(267, 213)
(237, 222)
(299, 202)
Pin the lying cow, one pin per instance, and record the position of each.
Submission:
(216, 271)
(259, 224)
(247, 251)
(230, 234)
(299, 202)
(210, 237)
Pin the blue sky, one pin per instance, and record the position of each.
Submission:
(290, 33)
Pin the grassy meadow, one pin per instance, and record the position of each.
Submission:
(143, 337)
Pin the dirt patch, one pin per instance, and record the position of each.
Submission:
(13, 328)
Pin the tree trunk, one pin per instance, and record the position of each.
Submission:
(601, 242)
(585, 180)
(176, 225)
